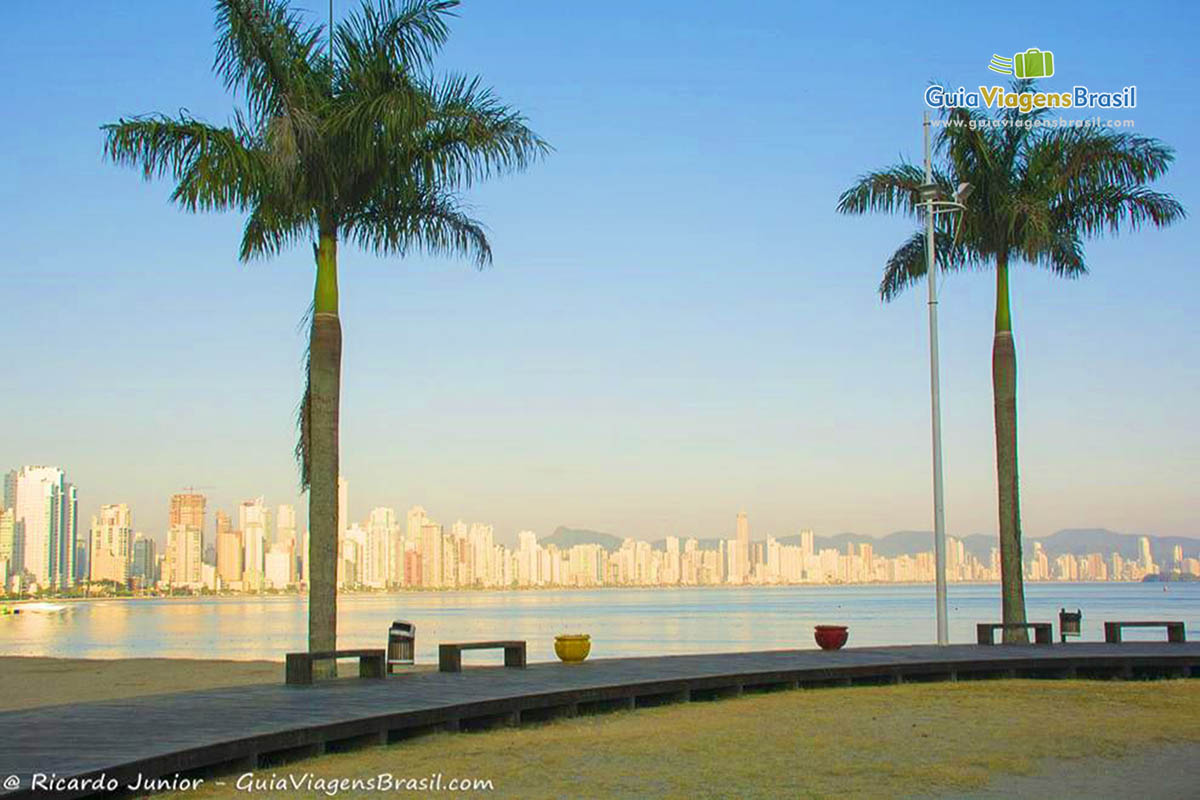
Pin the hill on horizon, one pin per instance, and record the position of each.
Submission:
(565, 538)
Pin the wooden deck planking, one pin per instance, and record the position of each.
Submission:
(162, 734)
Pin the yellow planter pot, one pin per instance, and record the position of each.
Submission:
(572, 648)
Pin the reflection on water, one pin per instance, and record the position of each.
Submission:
(622, 622)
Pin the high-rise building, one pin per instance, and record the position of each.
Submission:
(144, 564)
(353, 545)
(229, 553)
(10, 489)
(1147, 561)
(285, 526)
(482, 556)
(187, 510)
(253, 520)
(375, 546)
(279, 566)
(415, 520)
(268, 522)
(431, 555)
(45, 527)
(527, 559)
(252, 512)
(807, 543)
(383, 525)
(743, 545)
(111, 544)
(183, 565)
(185, 541)
(254, 548)
(7, 526)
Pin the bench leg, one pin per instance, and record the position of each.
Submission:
(1175, 634)
(371, 666)
(1041, 635)
(984, 634)
(298, 669)
(514, 656)
(449, 659)
(1112, 633)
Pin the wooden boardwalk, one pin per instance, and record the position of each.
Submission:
(237, 729)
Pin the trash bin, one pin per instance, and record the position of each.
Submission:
(402, 639)
(1069, 623)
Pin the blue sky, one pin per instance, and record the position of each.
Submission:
(677, 324)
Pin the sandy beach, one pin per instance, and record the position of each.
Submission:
(27, 682)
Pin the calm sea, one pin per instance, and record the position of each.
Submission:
(622, 622)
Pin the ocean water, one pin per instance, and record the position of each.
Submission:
(622, 622)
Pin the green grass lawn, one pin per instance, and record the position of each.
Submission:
(865, 742)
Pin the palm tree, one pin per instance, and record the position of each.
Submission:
(1039, 192)
(358, 141)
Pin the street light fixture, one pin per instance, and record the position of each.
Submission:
(932, 203)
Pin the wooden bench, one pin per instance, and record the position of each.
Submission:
(299, 668)
(1175, 632)
(450, 655)
(985, 632)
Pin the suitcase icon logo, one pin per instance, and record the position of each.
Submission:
(1033, 63)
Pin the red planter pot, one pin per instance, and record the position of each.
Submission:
(831, 637)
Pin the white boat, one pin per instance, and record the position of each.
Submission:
(39, 608)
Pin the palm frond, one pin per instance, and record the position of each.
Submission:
(267, 52)
(1062, 254)
(216, 168)
(273, 227)
(474, 136)
(402, 36)
(891, 190)
(1090, 156)
(907, 266)
(967, 141)
(1107, 209)
(398, 222)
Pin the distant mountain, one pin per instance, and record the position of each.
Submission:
(1080, 541)
(1075, 541)
(565, 538)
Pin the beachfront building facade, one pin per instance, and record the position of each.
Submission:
(183, 565)
(111, 544)
(45, 527)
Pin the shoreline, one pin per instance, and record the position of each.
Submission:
(18, 602)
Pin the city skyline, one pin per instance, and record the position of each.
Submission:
(42, 547)
(360, 511)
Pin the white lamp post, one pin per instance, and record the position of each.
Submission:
(933, 205)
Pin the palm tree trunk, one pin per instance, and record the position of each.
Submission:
(325, 377)
(1004, 397)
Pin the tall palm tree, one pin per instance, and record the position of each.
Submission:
(350, 137)
(1039, 193)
